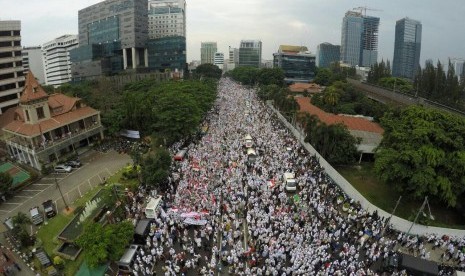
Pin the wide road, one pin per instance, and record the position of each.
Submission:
(96, 166)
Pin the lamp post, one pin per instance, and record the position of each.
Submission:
(59, 189)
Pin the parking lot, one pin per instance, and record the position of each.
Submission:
(96, 166)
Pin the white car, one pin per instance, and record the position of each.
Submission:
(61, 168)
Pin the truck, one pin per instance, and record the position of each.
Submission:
(49, 208)
(36, 216)
(152, 207)
(289, 181)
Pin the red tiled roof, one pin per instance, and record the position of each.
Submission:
(352, 123)
(301, 87)
(32, 89)
(18, 126)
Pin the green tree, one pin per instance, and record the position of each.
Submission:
(155, 167)
(246, 75)
(208, 70)
(423, 154)
(267, 76)
(6, 181)
(102, 243)
(324, 76)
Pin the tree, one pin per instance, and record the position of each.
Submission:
(6, 181)
(208, 70)
(423, 154)
(101, 243)
(324, 76)
(267, 76)
(246, 75)
(155, 167)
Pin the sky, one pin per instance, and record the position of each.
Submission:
(274, 22)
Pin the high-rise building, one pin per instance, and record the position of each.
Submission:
(57, 63)
(11, 68)
(33, 60)
(207, 52)
(327, 53)
(250, 53)
(218, 60)
(297, 63)
(459, 67)
(407, 47)
(112, 37)
(167, 18)
(167, 54)
(359, 39)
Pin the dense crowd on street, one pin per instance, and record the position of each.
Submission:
(248, 224)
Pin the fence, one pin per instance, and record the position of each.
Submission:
(396, 222)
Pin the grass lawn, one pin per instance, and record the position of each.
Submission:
(385, 197)
(48, 233)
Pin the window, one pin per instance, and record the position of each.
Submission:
(40, 112)
(27, 116)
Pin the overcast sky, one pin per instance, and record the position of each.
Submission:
(274, 22)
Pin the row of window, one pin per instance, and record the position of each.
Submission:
(8, 33)
(164, 22)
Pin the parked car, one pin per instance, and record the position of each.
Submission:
(62, 168)
(49, 208)
(74, 163)
(36, 216)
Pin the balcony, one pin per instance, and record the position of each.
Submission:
(50, 146)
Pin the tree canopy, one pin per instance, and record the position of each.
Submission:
(208, 70)
(155, 167)
(103, 243)
(423, 154)
(333, 142)
(6, 181)
(246, 75)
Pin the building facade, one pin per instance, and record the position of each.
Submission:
(167, 18)
(57, 63)
(11, 68)
(407, 48)
(218, 60)
(167, 54)
(207, 52)
(326, 54)
(33, 60)
(297, 63)
(359, 39)
(112, 38)
(44, 128)
(250, 53)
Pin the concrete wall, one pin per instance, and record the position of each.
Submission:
(396, 222)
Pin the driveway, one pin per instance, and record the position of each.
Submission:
(95, 167)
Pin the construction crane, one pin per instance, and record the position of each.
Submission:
(364, 9)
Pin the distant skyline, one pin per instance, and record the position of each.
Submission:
(296, 22)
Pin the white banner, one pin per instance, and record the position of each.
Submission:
(130, 133)
(193, 221)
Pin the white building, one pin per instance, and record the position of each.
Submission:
(207, 52)
(218, 60)
(167, 18)
(33, 60)
(56, 59)
(11, 69)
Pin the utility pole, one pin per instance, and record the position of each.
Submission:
(59, 189)
(419, 211)
(392, 214)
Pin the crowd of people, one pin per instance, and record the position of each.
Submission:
(225, 212)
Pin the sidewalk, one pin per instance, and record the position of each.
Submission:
(397, 223)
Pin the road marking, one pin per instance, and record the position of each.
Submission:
(11, 203)
(23, 196)
(40, 184)
(4, 211)
(32, 190)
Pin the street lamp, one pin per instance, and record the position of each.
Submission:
(59, 189)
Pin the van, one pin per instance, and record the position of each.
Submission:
(248, 142)
(152, 207)
(181, 155)
(49, 208)
(126, 263)
(36, 216)
(251, 156)
(289, 181)
(62, 168)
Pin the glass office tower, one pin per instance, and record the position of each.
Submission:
(250, 53)
(327, 53)
(407, 48)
